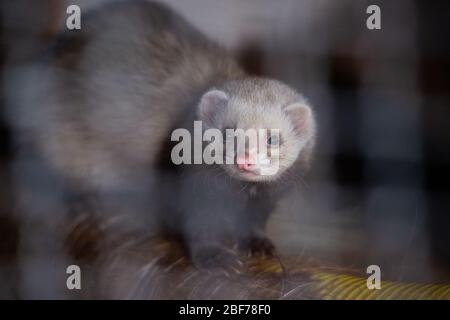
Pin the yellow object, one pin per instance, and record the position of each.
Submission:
(345, 287)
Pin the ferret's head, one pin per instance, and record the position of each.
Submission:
(266, 127)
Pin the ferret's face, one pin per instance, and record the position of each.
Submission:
(265, 129)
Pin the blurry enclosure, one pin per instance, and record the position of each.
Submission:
(379, 192)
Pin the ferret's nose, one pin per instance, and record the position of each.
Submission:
(246, 163)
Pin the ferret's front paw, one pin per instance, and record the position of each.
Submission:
(260, 246)
(217, 260)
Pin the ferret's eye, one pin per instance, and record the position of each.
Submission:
(273, 140)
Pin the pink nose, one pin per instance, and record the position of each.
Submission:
(245, 163)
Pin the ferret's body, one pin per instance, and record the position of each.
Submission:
(132, 65)
(100, 112)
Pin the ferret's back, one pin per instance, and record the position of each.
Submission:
(111, 91)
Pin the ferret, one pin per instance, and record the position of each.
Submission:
(101, 110)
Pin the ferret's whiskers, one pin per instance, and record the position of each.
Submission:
(243, 188)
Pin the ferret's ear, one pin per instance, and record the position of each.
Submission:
(211, 103)
(302, 118)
